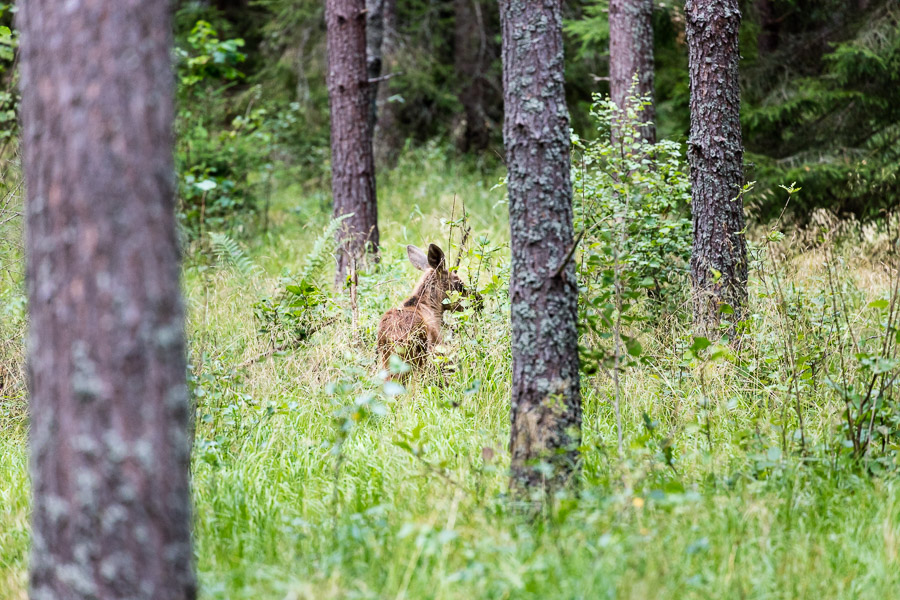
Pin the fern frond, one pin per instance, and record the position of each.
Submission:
(320, 254)
(228, 251)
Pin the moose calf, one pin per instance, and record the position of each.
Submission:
(412, 330)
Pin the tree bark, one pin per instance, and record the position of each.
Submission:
(387, 139)
(109, 409)
(719, 255)
(470, 64)
(630, 53)
(352, 164)
(546, 397)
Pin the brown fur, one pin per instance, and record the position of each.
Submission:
(413, 330)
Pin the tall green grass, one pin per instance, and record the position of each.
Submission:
(311, 482)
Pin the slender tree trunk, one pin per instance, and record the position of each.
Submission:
(719, 256)
(387, 136)
(767, 41)
(470, 63)
(352, 164)
(300, 58)
(374, 43)
(109, 445)
(546, 398)
(630, 53)
(231, 7)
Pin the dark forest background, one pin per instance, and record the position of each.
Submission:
(820, 86)
(820, 92)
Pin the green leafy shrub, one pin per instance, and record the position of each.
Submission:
(9, 96)
(219, 157)
(631, 200)
(303, 304)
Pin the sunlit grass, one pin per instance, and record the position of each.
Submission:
(282, 510)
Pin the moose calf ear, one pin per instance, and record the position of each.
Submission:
(417, 257)
(435, 256)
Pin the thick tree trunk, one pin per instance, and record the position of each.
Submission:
(387, 139)
(352, 164)
(374, 43)
(630, 53)
(719, 255)
(109, 441)
(546, 398)
(470, 63)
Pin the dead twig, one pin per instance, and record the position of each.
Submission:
(569, 253)
(385, 77)
(354, 304)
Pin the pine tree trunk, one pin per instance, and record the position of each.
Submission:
(546, 398)
(470, 63)
(352, 164)
(387, 140)
(630, 53)
(719, 255)
(109, 445)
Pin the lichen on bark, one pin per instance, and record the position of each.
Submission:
(719, 254)
(546, 400)
(108, 443)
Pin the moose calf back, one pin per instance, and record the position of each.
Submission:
(412, 330)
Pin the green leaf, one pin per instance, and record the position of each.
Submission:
(700, 343)
(634, 347)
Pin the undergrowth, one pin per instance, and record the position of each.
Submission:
(315, 478)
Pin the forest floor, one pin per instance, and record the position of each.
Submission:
(314, 480)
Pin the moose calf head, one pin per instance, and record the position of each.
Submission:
(413, 330)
